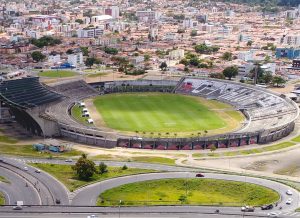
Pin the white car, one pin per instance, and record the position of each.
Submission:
(92, 216)
(25, 168)
(273, 214)
(289, 201)
(37, 171)
(289, 192)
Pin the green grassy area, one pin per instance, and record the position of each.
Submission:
(247, 151)
(76, 112)
(57, 73)
(296, 139)
(149, 159)
(66, 175)
(143, 159)
(28, 151)
(7, 139)
(93, 75)
(153, 113)
(196, 191)
(3, 179)
(2, 199)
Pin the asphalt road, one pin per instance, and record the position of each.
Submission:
(116, 215)
(15, 190)
(48, 187)
(89, 194)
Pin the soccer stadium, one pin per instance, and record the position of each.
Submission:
(186, 114)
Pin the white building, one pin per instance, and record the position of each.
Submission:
(245, 55)
(54, 59)
(269, 67)
(176, 54)
(115, 12)
(75, 59)
(170, 36)
(245, 68)
(148, 15)
(189, 23)
(90, 32)
(100, 19)
(290, 40)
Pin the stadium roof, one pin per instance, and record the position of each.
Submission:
(26, 92)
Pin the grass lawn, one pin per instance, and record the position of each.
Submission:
(76, 112)
(57, 73)
(28, 151)
(199, 192)
(144, 159)
(2, 199)
(7, 139)
(3, 179)
(166, 113)
(248, 151)
(296, 139)
(93, 75)
(66, 175)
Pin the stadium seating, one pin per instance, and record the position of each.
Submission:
(27, 92)
(265, 109)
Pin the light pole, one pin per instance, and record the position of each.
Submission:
(120, 208)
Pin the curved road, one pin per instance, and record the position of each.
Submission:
(87, 196)
(16, 190)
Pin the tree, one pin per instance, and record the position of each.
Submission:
(249, 43)
(37, 56)
(193, 33)
(80, 21)
(230, 72)
(69, 51)
(278, 80)
(194, 61)
(268, 77)
(146, 57)
(227, 56)
(184, 61)
(84, 168)
(90, 61)
(124, 167)
(213, 148)
(217, 75)
(85, 51)
(102, 168)
(182, 199)
(163, 66)
(112, 51)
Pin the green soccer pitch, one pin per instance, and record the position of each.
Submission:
(166, 115)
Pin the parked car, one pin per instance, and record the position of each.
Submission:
(69, 160)
(289, 201)
(25, 168)
(273, 214)
(57, 201)
(289, 192)
(267, 207)
(18, 207)
(247, 209)
(37, 171)
(199, 175)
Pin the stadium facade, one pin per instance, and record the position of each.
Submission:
(46, 111)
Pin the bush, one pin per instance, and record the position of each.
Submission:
(124, 167)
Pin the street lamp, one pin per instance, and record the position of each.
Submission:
(120, 208)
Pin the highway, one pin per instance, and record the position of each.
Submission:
(75, 202)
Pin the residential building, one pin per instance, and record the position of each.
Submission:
(90, 32)
(290, 53)
(75, 59)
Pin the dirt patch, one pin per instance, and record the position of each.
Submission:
(260, 165)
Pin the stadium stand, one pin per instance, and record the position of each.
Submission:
(45, 110)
